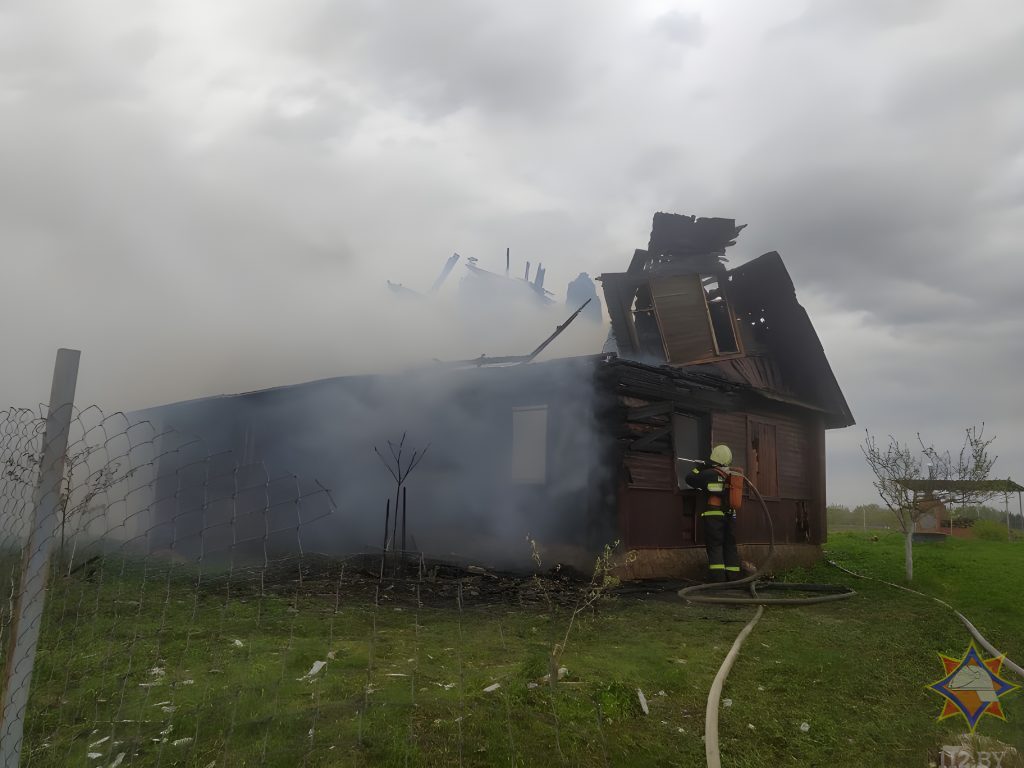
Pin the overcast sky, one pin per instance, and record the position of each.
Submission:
(207, 197)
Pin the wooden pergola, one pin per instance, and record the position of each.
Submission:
(1005, 487)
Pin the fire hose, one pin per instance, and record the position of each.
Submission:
(755, 588)
(831, 592)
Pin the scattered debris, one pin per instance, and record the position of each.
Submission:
(237, 643)
(750, 726)
(97, 743)
(331, 655)
(643, 701)
(118, 760)
(562, 672)
(94, 755)
(726, 702)
(805, 727)
(313, 671)
(492, 687)
(182, 742)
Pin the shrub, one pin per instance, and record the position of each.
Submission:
(990, 530)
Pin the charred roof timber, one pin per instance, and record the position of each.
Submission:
(678, 305)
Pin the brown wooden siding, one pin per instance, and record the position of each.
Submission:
(731, 429)
(797, 457)
(652, 512)
(798, 509)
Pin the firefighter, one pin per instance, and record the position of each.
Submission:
(718, 517)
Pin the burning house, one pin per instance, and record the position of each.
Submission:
(576, 452)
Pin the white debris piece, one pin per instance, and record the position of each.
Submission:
(237, 643)
(805, 727)
(182, 742)
(94, 755)
(118, 760)
(313, 671)
(187, 682)
(97, 743)
(643, 701)
(331, 655)
(492, 687)
(169, 709)
(726, 702)
(162, 703)
(396, 674)
(750, 726)
(532, 685)
(157, 671)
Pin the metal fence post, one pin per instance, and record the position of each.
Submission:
(35, 560)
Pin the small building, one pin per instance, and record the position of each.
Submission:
(578, 452)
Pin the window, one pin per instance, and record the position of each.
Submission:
(685, 444)
(720, 315)
(763, 458)
(530, 444)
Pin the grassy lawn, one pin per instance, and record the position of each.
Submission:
(150, 666)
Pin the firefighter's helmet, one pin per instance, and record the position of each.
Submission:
(721, 455)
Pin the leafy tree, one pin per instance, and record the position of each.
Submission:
(897, 464)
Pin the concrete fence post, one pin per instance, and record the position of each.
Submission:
(27, 616)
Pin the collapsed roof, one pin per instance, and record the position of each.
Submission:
(678, 305)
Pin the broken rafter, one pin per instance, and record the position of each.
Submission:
(555, 335)
(445, 271)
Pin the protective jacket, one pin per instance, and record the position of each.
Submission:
(713, 481)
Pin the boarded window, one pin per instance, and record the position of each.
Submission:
(530, 444)
(763, 458)
(683, 318)
(720, 315)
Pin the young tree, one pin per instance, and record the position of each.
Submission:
(896, 467)
(399, 469)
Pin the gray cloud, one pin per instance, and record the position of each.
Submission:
(208, 199)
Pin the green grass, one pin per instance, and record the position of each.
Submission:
(855, 671)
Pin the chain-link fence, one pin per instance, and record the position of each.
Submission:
(156, 551)
(178, 614)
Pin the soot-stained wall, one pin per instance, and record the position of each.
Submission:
(463, 500)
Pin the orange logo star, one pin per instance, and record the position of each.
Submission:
(972, 687)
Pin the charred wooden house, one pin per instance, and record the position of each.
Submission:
(576, 452)
(707, 355)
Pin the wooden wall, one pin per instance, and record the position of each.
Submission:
(798, 509)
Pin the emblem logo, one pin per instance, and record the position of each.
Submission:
(972, 687)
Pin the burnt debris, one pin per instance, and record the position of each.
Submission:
(678, 304)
